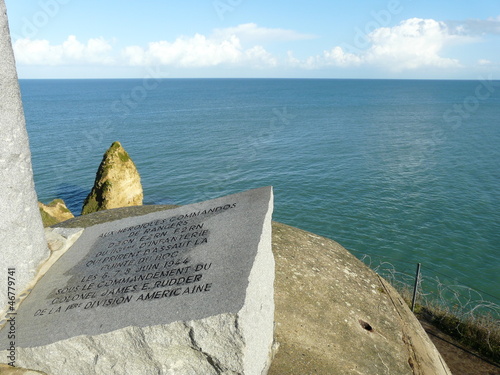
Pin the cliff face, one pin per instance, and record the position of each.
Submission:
(117, 182)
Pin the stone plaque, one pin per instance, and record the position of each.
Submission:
(183, 264)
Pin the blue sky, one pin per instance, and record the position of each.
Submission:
(449, 39)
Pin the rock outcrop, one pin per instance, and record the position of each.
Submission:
(333, 314)
(54, 212)
(117, 182)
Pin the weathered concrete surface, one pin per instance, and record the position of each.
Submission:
(333, 314)
(117, 182)
(22, 239)
(54, 212)
(336, 316)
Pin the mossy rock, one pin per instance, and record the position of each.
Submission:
(47, 219)
(90, 205)
(54, 212)
(117, 183)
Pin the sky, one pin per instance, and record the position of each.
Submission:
(387, 39)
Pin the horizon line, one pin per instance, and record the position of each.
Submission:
(258, 78)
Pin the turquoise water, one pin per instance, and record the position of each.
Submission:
(406, 170)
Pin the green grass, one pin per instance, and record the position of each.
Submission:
(478, 332)
(481, 333)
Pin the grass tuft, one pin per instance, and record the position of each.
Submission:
(477, 331)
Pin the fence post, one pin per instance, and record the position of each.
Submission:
(417, 277)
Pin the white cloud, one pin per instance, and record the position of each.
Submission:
(260, 57)
(334, 57)
(252, 33)
(223, 47)
(484, 62)
(196, 51)
(200, 51)
(135, 55)
(414, 43)
(71, 51)
(475, 26)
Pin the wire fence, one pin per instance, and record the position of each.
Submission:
(434, 288)
(469, 315)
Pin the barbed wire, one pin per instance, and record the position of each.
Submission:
(465, 302)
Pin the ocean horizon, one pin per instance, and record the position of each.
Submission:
(404, 170)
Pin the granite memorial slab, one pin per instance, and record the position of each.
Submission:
(201, 268)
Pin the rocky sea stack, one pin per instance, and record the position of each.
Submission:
(54, 212)
(117, 182)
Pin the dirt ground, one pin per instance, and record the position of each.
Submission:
(460, 360)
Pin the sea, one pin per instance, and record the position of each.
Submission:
(400, 171)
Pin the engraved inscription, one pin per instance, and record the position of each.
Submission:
(140, 263)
